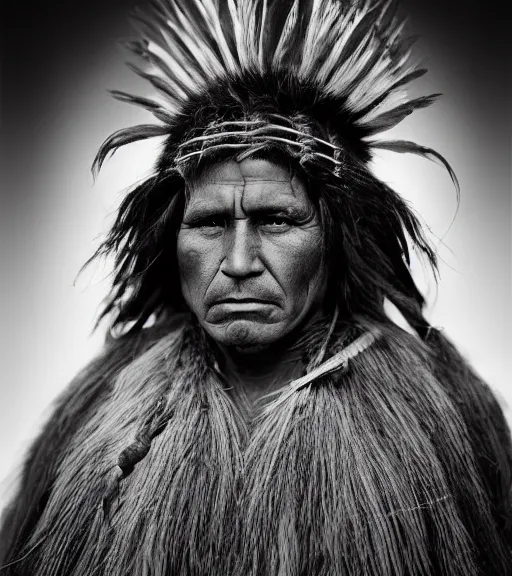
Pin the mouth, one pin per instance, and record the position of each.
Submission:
(250, 309)
(242, 301)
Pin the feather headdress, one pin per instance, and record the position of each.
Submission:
(318, 77)
(315, 80)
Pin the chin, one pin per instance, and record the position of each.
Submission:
(246, 335)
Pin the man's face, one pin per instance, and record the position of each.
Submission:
(250, 253)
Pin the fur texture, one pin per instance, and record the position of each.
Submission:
(391, 467)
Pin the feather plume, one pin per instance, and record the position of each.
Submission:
(126, 136)
(407, 147)
(207, 55)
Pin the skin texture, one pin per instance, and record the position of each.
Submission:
(250, 253)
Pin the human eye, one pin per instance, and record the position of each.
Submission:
(276, 221)
(209, 222)
(212, 222)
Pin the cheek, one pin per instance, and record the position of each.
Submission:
(197, 266)
(297, 264)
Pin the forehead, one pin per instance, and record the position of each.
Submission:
(257, 183)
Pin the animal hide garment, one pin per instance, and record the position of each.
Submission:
(398, 464)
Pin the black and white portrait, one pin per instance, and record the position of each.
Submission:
(257, 297)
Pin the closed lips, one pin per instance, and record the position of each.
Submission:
(242, 301)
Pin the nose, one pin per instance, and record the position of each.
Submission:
(241, 258)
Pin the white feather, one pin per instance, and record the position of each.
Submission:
(261, 54)
(200, 49)
(237, 29)
(194, 50)
(287, 33)
(211, 15)
(181, 79)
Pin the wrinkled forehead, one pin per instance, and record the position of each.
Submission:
(256, 183)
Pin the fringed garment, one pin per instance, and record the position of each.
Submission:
(398, 463)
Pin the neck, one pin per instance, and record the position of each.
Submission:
(263, 371)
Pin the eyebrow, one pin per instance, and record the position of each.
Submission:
(201, 212)
(291, 211)
(247, 179)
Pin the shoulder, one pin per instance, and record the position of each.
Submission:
(73, 409)
(436, 364)
(94, 383)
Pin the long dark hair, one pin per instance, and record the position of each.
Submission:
(368, 230)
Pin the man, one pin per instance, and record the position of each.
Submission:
(257, 412)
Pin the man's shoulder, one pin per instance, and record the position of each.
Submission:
(92, 385)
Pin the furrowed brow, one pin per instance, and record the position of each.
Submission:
(201, 211)
(291, 211)
(300, 215)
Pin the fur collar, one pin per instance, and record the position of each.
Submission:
(370, 470)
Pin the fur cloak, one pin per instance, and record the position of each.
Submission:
(398, 464)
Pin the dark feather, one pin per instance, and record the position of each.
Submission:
(392, 118)
(402, 82)
(154, 107)
(407, 147)
(123, 137)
